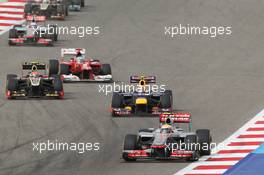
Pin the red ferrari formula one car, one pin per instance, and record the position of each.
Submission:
(74, 66)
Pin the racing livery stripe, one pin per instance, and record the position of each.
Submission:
(236, 147)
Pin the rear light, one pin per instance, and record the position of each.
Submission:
(61, 94)
(8, 94)
(158, 146)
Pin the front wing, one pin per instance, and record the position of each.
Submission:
(99, 78)
(23, 41)
(146, 154)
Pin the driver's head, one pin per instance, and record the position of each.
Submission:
(79, 54)
(165, 126)
(33, 24)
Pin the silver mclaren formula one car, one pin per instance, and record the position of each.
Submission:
(169, 141)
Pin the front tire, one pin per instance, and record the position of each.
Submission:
(11, 83)
(64, 69)
(204, 139)
(166, 99)
(191, 145)
(130, 143)
(106, 69)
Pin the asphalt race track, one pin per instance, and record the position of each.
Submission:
(219, 80)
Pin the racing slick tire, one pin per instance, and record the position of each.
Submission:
(106, 69)
(64, 69)
(58, 84)
(204, 139)
(116, 101)
(166, 99)
(27, 9)
(12, 83)
(12, 34)
(191, 145)
(53, 32)
(130, 143)
(53, 67)
(66, 10)
(82, 3)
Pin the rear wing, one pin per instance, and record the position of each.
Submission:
(34, 66)
(181, 117)
(36, 18)
(143, 80)
(72, 51)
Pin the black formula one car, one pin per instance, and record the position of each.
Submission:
(36, 82)
(141, 101)
(169, 141)
(52, 9)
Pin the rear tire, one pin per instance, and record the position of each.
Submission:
(130, 143)
(53, 67)
(116, 100)
(82, 3)
(204, 139)
(11, 76)
(64, 69)
(53, 32)
(106, 69)
(12, 34)
(191, 145)
(166, 99)
(27, 9)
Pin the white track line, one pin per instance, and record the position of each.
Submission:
(11, 9)
(11, 15)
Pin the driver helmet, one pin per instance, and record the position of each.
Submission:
(33, 24)
(166, 128)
